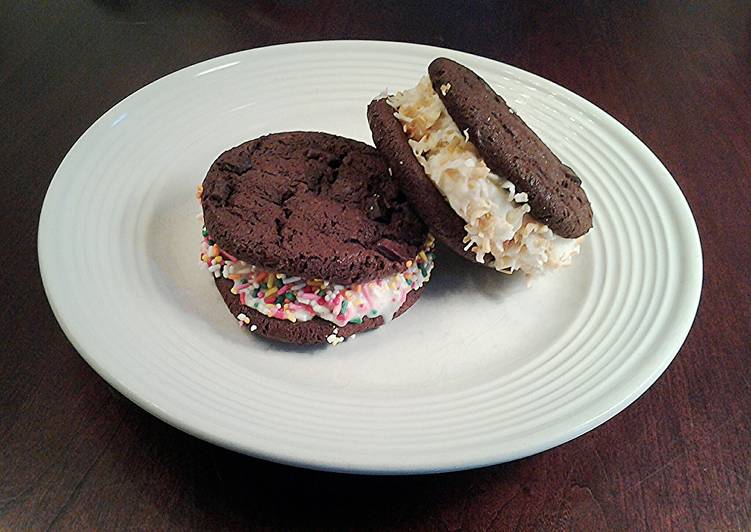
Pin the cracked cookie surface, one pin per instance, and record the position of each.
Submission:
(311, 204)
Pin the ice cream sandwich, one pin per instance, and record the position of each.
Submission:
(482, 180)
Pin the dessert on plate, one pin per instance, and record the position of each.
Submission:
(309, 239)
(479, 177)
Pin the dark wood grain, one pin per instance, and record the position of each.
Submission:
(74, 453)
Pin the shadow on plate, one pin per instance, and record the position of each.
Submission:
(454, 276)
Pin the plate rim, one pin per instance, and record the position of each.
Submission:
(694, 273)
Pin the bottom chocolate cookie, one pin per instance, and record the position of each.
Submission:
(314, 331)
(427, 199)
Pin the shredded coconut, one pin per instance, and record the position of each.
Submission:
(333, 339)
(497, 217)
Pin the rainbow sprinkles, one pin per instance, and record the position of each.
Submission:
(291, 298)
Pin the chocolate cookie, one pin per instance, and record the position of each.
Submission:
(511, 149)
(309, 239)
(313, 205)
(427, 200)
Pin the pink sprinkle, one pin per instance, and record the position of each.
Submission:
(308, 309)
(279, 314)
(242, 298)
(366, 293)
(227, 255)
(337, 304)
(282, 289)
(242, 286)
(307, 295)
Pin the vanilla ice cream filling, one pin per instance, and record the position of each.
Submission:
(497, 217)
(292, 298)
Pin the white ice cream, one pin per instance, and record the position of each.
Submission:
(497, 218)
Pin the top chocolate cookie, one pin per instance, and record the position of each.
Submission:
(511, 149)
(313, 205)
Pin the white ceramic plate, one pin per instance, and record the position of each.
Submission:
(482, 370)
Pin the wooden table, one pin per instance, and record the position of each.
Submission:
(75, 453)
